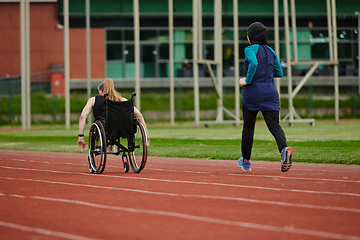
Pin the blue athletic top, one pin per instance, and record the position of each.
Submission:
(262, 65)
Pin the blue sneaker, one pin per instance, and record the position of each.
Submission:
(246, 166)
(286, 155)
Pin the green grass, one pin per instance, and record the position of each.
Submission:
(344, 152)
(323, 143)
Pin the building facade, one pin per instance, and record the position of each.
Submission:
(112, 36)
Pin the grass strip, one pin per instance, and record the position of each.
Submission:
(331, 152)
(314, 151)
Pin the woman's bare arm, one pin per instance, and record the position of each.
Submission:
(82, 121)
(138, 114)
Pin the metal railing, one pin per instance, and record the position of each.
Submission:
(40, 81)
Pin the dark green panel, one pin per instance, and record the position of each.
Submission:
(320, 51)
(164, 72)
(182, 6)
(148, 35)
(246, 7)
(129, 35)
(114, 69)
(113, 35)
(164, 51)
(153, 6)
(114, 52)
(255, 6)
(107, 6)
(99, 6)
(76, 6)
(128, 6)
(130, 53)
(96, 6)
(208, 6)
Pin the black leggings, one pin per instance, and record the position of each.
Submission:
(272, 122)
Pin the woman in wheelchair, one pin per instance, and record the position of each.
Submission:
(102, 133)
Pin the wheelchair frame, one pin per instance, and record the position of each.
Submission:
(103, 134)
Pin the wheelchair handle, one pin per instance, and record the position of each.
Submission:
(133, 94)
(106, 95)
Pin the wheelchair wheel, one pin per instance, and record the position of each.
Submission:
(97, 147)
(90, 167)
(125, 163)
(138, 157)
(126, 167)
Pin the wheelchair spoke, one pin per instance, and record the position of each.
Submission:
(139, 155)
(97, 147)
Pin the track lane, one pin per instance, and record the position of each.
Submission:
(231, 207)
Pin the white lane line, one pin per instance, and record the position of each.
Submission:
(287, 229)
(224, 163)
(261, 176)
(260, 162)
(43, 162)
(44, 231)
(209, 173)
(277, 203)
(192, 182)
(18, 196)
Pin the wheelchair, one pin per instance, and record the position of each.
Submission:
(121, 130)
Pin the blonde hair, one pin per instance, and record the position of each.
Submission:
(107, 86)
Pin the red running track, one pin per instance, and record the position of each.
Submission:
(53, 196)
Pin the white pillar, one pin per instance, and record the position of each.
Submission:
(328, 11)
(288, 59)
(28, 71)
(171, 62)
(137, 53)
(67, 64)
(23, 64)
(88, 55)
(195, 63)
(236, 60)
(358, 14)
(200, 30)
(218, 56)
(277, 39)
(336, 66)
(294, 31)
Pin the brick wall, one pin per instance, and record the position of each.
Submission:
(47, 42)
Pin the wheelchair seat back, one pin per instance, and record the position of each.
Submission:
(119, 119)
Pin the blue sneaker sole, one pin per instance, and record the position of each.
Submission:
(287, 163)
(242, 167)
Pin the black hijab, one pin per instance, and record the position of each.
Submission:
(258, 33)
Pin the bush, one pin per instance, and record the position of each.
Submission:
(49, 104)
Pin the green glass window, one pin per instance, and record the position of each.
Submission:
(148, 35)
(344, 50)
(114, 35)
(114, 52)
(129, 53)
(228, 56)
(164, 51)
(129, 35)
(208, 34)
(163, 35)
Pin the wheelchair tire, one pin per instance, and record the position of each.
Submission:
(125, 163)
(90, 167)
(97, 147)
(126, 167)
(138, 157)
